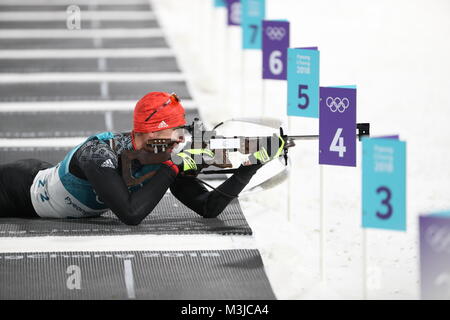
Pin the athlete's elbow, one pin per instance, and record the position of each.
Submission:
(131, 221)
(129, 218)
(212, 213)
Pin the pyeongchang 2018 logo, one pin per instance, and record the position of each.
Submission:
(438, 238)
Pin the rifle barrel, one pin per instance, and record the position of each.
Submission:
(304, 137)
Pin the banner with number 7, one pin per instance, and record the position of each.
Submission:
(384, 183)
(337, 126)
(253, 13)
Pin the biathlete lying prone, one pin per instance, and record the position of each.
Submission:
(89, 182)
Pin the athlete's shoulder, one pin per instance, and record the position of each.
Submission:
(121, 142)
(98, 151)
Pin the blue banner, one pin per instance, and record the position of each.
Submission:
(253, 12)
(384, 184)
(220, 3)
(303, 82)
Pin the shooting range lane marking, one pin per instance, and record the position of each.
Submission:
(68, 2)
(79, 34)
(47, 77)
(170, 216)
(83, 7)
(104, 90)
(86, 15)
(108, 24)
(67, 106)
(129, 280)
(41, 142)
(86, 53)
(68, 124)
(165, 242)
(161, 275)
(100, 64)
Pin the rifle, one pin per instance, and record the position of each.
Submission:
(155, 150)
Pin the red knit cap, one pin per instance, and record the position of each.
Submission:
(158, 111)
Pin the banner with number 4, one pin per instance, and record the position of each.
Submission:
(275, 42)
(384, 183)
(337, 126)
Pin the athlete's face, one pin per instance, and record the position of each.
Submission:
(172, 134)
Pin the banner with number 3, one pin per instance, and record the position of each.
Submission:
(337, 126)
(384, 183)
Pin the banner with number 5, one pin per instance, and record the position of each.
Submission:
(275, 42)
(303, 82)
(384, 184)
(337, 126)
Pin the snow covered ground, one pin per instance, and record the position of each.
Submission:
(397, 55)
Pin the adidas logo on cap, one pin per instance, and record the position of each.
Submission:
(162, 124)
(108, 164)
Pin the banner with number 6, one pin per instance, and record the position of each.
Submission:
(303, 82)
(337, 126)
(275, 42)
(234, 12)
(384, 183)
(253, 12)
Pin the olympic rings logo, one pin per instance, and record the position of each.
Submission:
(337, 104)
(275, 33)
(438, 237)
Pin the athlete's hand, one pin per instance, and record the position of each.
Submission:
(192, 161)
(272, 148)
